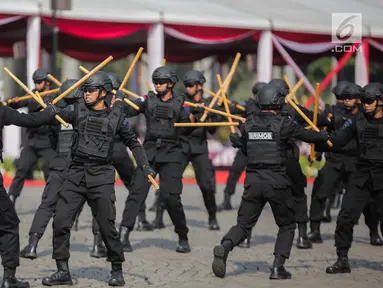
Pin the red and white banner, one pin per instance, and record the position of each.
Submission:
(96, 30)
(309, 48)
(295, 67)
(6, 19)
(206, 35)
(376, 44)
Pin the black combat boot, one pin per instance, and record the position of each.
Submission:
(13, 199)
(326, 218)
(155, 203)
(226, 205)
(143, 224)
(124, 238)
(158, 222)
(10, 281)
(303, 241)
(341, 265)
(213, 223)
(314, 236)
(375, 239)
(30, 251)
(278, 271)
(220, 253)
(99, 249)
(61, 276)
(116, 275)
(183, 245)
(245, 243)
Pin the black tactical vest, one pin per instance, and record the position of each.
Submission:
(94, 137)
(64, 140)
(264, 147)
(163, 115)
(251, 107)
(199, 132)
(370, 137)
(339, 114)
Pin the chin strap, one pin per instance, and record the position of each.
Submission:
(99, 98)
(163, 93)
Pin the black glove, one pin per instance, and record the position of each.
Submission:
(233, 102)
(318, 156)
(324, 134)
(120, 95)
(235, 140)
(52, 109)
(197, 110)
(148, 171)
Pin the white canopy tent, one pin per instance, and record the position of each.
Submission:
(306, 16)
(266, 17)
(297, 17)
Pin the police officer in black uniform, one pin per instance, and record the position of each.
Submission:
(125, 167)
(9, 222)
(164, 150)
(239, 163)
(90, 176)
(365, 182)
(55, 180)
(294, 170)
(265, 140)
(338, 166)
(195, 148)
(39, 139)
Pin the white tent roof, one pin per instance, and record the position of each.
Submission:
(309, 16)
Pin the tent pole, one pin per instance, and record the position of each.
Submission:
(265, 57)
(156, 47)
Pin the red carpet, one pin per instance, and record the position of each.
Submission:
(221, 177)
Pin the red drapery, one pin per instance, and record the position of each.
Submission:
(206, 34)
(95, 29)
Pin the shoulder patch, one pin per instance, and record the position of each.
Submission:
(142, 99)
(347, 123)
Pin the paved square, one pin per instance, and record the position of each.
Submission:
(154, 262)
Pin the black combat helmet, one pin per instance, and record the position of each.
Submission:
(281, 85)
(165, 73)
(370, 93)
(116, 80)
(193, 77)
(270, 97)
(40, 75)
(258, 86)
(338, 89)
(72, 95)
(352, 91)
(373, 91)
(99, 80)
